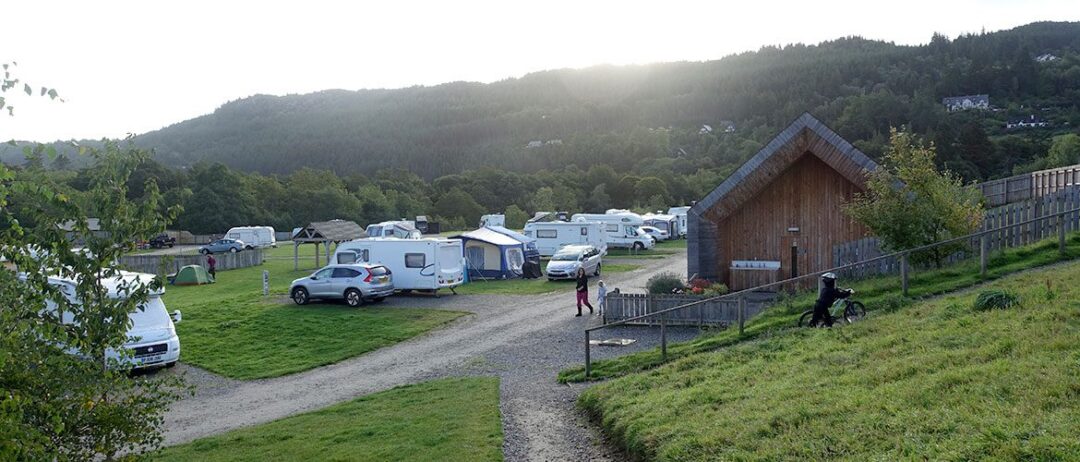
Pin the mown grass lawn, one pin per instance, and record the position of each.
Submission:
(937, 380)
(231, 329)
(449, 419)
(539, 285)
(878, 294)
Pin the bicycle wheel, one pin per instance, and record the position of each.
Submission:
(854, 311)
(807, 316)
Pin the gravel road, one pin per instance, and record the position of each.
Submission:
(525, 340)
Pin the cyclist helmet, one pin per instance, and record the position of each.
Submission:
(829, 276)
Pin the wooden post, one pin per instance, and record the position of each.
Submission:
(1061, 233)
(663, 339)
(588, 363)
(982, 255)
(904, 273)
(742, 314)
(295, 256)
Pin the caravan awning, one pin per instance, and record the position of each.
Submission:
(491, 237)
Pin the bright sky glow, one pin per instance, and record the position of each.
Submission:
(135, 66)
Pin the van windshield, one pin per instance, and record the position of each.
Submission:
(570, 255)
(151, 315)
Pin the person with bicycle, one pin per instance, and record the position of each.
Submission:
(828, 295)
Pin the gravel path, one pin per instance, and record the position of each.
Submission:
(525, 340)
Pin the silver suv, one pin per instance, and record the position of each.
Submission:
(355, 283)
(566, 261)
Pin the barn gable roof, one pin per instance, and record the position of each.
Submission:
(329, 231)
(805, 135)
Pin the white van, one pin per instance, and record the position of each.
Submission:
(621, 229)
(669, 223)
(253, 236)
(152, 337)
(401, 229)
(429, 263)
(680, 213)
(552, 235)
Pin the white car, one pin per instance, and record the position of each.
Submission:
(656, 233)
(567, 260)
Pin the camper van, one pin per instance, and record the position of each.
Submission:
(621, 229)
(429, 263)
(401, 229)
(152, 339)
(669, 223)
(552, 235)
(495, 219)
(253, 236)
(680, 212)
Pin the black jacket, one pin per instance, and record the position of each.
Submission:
(829, 294)
(583, 283)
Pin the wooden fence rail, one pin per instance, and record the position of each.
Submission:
(1032, 185)
(164, 264)
(619, 307)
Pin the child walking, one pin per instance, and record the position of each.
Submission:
(601, 293)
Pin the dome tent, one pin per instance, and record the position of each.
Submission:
(192, 275)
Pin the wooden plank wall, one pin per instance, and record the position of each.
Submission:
(159, 264)
(1029, 185)
(999, 217)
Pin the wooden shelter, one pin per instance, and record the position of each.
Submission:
(780, 214)
(324, 233)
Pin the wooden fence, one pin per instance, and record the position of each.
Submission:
(724, 312)
(1000, 217)
(1029, 185)
(164, 264)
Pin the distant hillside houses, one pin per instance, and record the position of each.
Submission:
(1031, 121)
(727, 126)
(1046, 57)
(705, 129)
(541, 143)
(963, 103)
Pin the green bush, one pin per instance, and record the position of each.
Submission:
(996, 300)
(664, 283)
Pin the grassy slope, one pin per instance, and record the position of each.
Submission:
(877, 294)
(937, 380)
(230, 328)
(451, 419)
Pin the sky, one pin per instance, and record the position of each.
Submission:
(135, 66)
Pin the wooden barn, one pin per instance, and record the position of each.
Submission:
(780, 214)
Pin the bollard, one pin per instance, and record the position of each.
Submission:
(266, 282)
(588, 365)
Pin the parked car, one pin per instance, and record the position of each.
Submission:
(566, 261)
(161, 241)
(223, 245)
(355, 283)
(656, 233)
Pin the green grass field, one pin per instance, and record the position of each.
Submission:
(533, 286)
(230, 328)
(877, 294)
(936, 380)
(450, 419)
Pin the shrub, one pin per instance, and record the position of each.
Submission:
(996, 300)
(664, 283)
(718, 288)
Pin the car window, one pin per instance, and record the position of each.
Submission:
(323, 273)
(415, 260)
(346, 257)
(345, 273)
(547, 233)
(379, 271)
(584, 231)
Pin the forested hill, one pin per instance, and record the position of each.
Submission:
(628, 115)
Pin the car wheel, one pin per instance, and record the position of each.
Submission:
(232, 250)
(597, 272)
(300, 296)
(248, 247)
(354, 298)
(205, 251)
(639, 246)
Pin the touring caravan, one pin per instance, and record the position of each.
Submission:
(621, 229)
(495, 219)
(429, 263)
(680, 212)
(253, 236)
(669, 223)
(401, 229)
(552, 235)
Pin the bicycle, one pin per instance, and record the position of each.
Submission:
(844, 309)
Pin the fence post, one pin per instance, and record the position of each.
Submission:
(1061, 233)
(982, 255)
(663, 339)
(588, 362)
(742, 314)
(904, 273)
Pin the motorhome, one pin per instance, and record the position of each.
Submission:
(552, 235)
(669, 223)
(680, 212)
(152, 339)
(621, 229)
(429, 263)
(253, 236)
(495, 219)
(401, 229)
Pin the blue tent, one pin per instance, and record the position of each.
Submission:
(492, 255)
(530, 243)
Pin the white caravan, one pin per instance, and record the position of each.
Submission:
(680, 212)
(430, 263)
(552, 235)
(669, 223)
(152, 339)
(621, 229)
(401, 229)
(253, 236)
(495, 219)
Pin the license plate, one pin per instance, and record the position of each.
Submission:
(151, 359)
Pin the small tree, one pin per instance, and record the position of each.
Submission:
(515, 217)
(909, 203)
